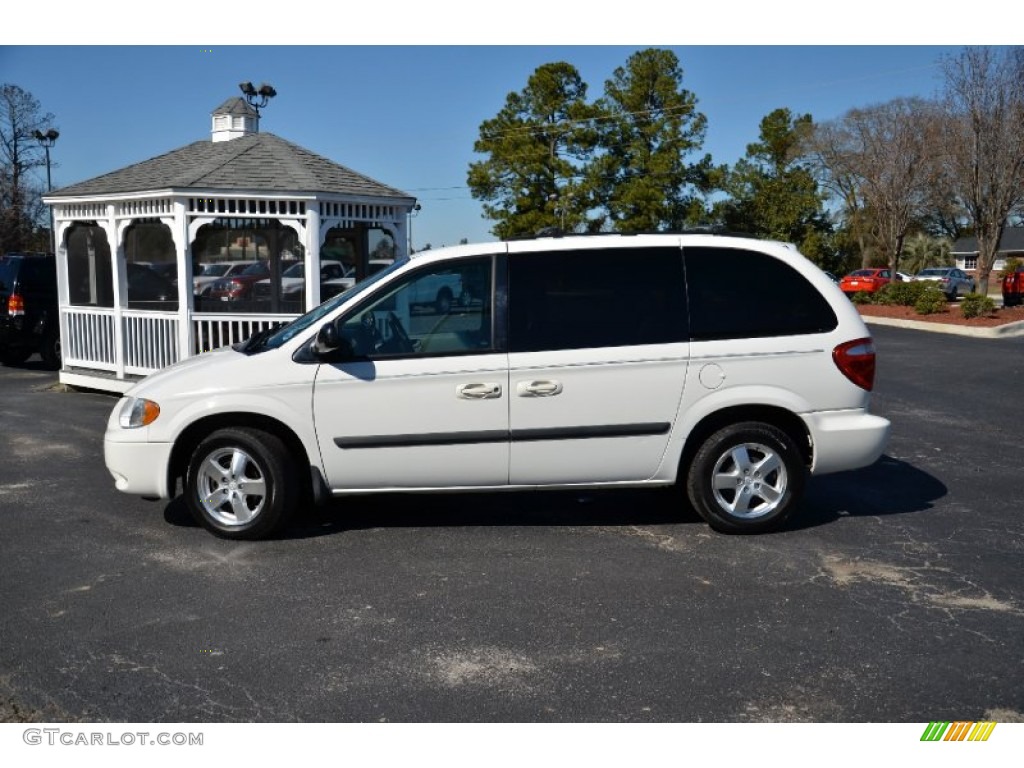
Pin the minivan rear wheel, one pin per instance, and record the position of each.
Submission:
(746, 478)
(241, 483)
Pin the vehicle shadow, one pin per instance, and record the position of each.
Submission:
(888, 487)
(437, 510)
(34, 363)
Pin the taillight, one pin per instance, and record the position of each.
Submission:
(15, 305)
(856, 361)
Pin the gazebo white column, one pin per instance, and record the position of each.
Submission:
(119, 277)
(183, 253)
(312, 244)
(401, 225)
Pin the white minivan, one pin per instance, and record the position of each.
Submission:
(731, 367)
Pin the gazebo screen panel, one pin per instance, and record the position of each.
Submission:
(248, 266)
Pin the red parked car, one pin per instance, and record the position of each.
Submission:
(1013, 287)
(867, 280)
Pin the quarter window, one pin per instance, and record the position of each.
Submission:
(584, 299)
(737, 293)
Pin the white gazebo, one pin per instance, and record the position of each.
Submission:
(204, 245)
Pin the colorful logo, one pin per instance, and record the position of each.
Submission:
(958, 731)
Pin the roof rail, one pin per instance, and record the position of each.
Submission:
(705, 230)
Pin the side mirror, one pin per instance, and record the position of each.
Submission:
(331, 344)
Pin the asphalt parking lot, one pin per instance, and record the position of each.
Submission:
(894, 596)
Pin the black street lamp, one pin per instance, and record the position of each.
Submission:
(257, 98)
(47, 140)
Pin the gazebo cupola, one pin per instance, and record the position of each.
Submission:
(234, 118)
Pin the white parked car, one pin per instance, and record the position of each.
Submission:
(565, 371)
(293, 280)
(209, 273)
(331, 288)
(951, 281)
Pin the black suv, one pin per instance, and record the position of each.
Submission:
(29, 321)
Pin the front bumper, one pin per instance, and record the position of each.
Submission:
(138, 468)
(848, 439)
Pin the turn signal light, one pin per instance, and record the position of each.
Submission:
(138, 412)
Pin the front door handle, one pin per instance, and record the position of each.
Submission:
(481, 391)
(542, 388)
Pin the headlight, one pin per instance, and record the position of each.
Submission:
(138, 412)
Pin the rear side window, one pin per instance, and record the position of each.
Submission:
(736, 293)
(8, 272)
(585, 299)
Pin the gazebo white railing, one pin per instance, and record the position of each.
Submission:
(148, 340)
(210, 331)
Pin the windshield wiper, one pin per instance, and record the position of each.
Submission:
(256, 341)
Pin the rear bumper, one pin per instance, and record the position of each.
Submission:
(848, 439)
(16, 333)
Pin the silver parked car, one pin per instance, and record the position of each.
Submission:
(952, 281)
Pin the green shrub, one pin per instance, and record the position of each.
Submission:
(976, 305)
(902, 294)
(1011, 266)
(861, 297)
(931, 301)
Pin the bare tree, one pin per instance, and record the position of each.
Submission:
(833, 157)
(983, 142)
(878, 160)
(20, 118)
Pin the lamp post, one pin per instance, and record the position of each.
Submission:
(257, 99)
(47, 140)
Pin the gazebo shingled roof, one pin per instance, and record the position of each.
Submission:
(258, 161)
(236, 105)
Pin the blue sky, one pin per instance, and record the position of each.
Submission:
(408, 115)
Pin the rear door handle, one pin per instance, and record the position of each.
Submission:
(542, 388)
(480, 391)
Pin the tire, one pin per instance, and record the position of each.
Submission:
(248, 460)
(443, 304)
(50, 350)
(746, 478)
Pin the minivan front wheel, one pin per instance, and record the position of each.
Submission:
(746, 478)
(241, 483)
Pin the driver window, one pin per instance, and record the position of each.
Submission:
(442, 309)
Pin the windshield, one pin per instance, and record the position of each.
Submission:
(259, 268)
(295, 270)
(213, 270)
(300, 324)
